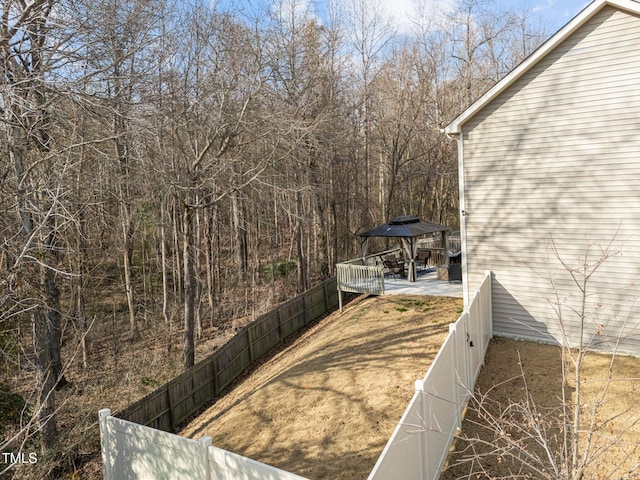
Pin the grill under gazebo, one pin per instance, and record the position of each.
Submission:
(407, 228)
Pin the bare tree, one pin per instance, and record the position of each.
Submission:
(31, 250)
(117, 44)
(371, 32)
(205, 118)
(476, 33)
(402, 108)
(571, 435)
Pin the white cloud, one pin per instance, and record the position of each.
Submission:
(407, 15)
(543, 6)
(400, 12)
(289, 10)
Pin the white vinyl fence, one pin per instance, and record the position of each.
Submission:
(131, 451)
(417, 449)
(420, 443)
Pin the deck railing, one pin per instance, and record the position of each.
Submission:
(362, 275)
(359, 279)
(434, 244)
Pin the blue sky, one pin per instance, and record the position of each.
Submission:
(551, 13)
(555, 12)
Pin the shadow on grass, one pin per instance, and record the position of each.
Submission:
(329, 408)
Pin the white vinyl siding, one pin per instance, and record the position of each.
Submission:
(557, 156)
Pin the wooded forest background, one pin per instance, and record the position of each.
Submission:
(170, 167)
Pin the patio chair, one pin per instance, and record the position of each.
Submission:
(422, 258)
(395, 267)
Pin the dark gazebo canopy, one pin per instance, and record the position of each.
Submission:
(406, 227)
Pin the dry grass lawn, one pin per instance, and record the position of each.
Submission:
(615, 416)
(325, 407)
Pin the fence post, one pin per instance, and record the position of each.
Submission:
(205, 442)
(488, 304)
(170, 401)
(481, 320)
(214, 373)
(105, 443)
(419, 387)
(326, 295)
(250, 342)
(468, 357)
(338, 283)
(280, 326)
(305, 307)
(453, 331)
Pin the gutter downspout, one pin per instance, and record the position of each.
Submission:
(459, 136)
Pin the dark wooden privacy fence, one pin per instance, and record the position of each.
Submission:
(168, 407)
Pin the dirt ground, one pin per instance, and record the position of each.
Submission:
(325, 407)
(611, 410)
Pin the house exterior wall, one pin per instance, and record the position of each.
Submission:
(551, 171)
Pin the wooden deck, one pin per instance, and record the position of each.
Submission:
(367, 275)
(426, 284)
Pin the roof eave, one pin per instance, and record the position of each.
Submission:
(455, 127)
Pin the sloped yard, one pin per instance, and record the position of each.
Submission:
(324, 407)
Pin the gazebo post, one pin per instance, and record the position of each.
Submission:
(364, 246)
(445, 248)
(412, 262)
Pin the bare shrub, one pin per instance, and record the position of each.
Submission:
(571, 413)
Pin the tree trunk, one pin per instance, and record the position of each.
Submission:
(127, 255)
(163, 253)
(240, 237)
(53, 316)
(177, 266)
(81, 318)
(45, 379)
(42, 338)
(209, 251)
(302, 262)
(197, 259)
(189, 288)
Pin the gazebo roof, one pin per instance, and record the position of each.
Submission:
(407, 226)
